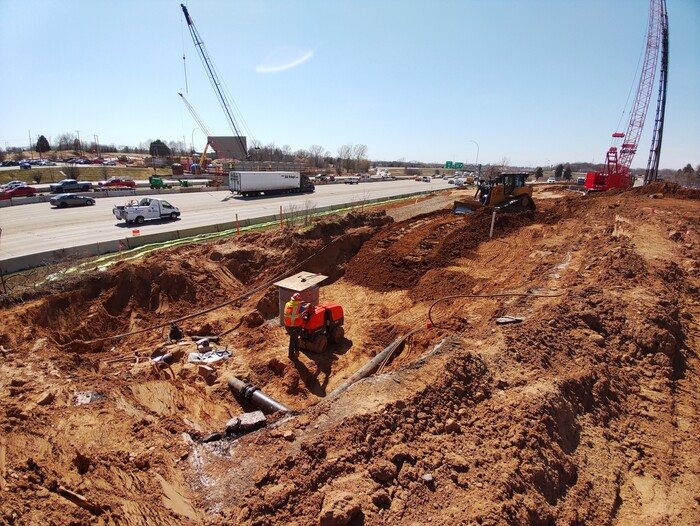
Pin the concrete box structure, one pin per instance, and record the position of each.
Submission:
(305, 283)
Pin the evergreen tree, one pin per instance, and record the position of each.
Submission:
(558, 171)
(567, 172)
(42, 145)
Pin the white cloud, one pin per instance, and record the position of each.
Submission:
(289, 64)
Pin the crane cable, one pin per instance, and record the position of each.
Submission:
(184, 62)
(220, 305)
(632, 86)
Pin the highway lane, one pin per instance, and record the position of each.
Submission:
(34, 228)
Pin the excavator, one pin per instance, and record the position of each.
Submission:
(506, 192)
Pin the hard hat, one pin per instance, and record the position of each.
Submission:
(296, 296)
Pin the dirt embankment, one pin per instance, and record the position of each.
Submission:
(584, 412)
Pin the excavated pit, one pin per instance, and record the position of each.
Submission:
(585, 412)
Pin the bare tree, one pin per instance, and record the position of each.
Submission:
(65, 141)
(359, 152)
(316, 153)
(344, 153)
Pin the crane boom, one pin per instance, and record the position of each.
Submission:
(195, 116)
(618, 162)
(202, 127)
(213, 78)
(652, 172)
(646, 84)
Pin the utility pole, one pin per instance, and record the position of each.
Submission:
(97, 142)
(31, 148)
(80, 144)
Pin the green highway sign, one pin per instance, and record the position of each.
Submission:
(448, 164)
(459, 165)
(456, 165)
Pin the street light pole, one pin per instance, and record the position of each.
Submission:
(478, 172)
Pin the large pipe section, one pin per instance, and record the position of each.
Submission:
(373, 364)
(256, 397)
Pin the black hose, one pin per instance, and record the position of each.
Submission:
(228, 302)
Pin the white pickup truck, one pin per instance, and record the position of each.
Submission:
(147, 208)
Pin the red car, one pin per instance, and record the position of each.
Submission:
(118, 181)
(18, 191)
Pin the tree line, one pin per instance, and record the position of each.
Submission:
(349, 157)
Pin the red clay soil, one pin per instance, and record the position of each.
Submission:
(583, 412)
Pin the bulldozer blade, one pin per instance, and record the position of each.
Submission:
(466, 207)
(520, 203)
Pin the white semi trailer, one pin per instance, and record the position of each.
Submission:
(269, 183)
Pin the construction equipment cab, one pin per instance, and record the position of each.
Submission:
(506, 190)
(147, 208)
(507, 193)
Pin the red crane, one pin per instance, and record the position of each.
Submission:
(615, 174)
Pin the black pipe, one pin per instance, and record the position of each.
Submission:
(256, 397)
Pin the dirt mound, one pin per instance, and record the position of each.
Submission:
(669, 189)
(402, 254)
(581, 411)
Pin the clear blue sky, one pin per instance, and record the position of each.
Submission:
(531, 81)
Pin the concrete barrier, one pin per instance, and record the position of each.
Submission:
(130, 241)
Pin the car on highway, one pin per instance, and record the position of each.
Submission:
(18, 191)
(118, 182)
(24, 165)
(12, 184)
(66, 200)
(551, 180)
(352, 180)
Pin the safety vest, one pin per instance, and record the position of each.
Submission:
(292, 314)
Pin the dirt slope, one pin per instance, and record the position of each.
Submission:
(585, 412)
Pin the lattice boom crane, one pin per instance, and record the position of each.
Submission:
(214, 79)
(618, 161)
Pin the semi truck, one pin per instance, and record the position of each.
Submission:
(269, 183)
(147, 208)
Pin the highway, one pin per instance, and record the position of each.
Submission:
(39, 227)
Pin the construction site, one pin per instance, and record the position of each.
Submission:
(545, 375)
(525, 355)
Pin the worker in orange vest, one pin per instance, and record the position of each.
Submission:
(293, 312)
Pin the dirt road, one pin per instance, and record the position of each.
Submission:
(584, 411)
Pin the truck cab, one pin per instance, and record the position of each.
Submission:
(147, 208)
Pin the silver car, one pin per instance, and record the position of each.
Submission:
(66, 200)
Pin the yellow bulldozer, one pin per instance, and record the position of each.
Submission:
(506, 193)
